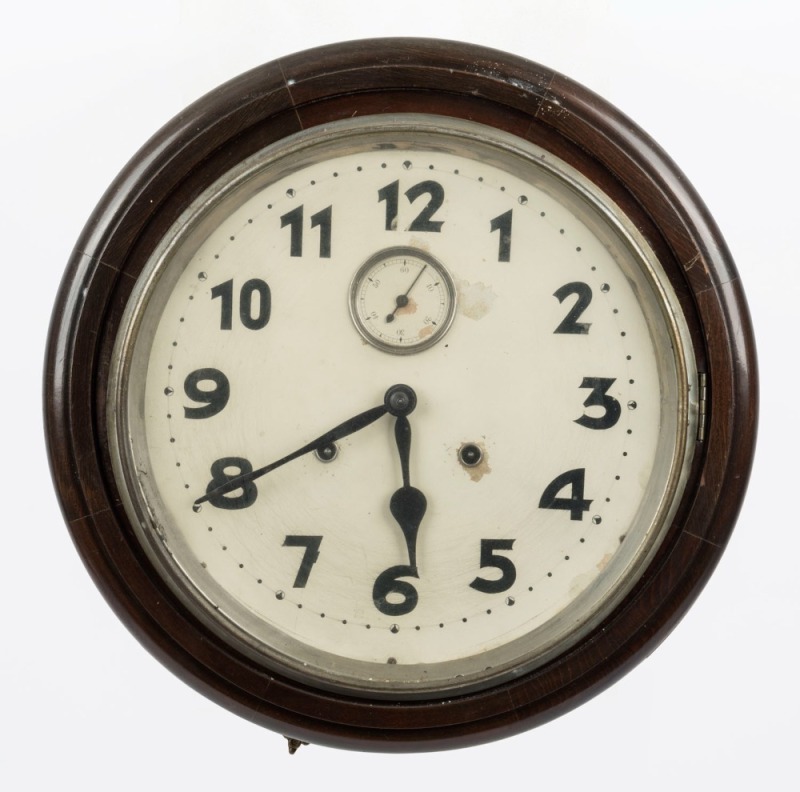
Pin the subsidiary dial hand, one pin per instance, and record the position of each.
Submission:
(401, 301)
(408, 504)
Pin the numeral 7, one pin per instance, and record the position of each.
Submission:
(310, 556)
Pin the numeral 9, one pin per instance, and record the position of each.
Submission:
(213, 399)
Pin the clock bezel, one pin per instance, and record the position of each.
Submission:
(312, 89)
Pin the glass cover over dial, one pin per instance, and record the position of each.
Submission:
(402, 405)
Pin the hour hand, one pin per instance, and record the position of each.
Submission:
(408, 504)
(408, 507)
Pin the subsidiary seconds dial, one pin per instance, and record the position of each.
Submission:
(402, 300)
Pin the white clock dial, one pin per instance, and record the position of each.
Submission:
(554, 402)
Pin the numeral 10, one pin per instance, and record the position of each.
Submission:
(255, 304)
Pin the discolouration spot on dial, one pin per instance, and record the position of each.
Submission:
(474, 299)
(604, 561)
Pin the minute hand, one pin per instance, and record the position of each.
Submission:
(337, 433)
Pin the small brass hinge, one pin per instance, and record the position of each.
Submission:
(702, 406)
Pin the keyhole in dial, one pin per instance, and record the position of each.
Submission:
(470, 454)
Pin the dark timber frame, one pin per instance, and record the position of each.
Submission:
(371, 78)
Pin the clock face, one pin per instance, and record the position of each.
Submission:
(402, 406)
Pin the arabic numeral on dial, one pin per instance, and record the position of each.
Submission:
(239, 497)
(390, 194)
(295, 220)
(310, 556)
(255, 304)
(570, 324)
(599, 398)
(423, 220)
(575, 504)
(213, 398)
(392, 596)
(502, 223)
(491, 558)
(323, 220)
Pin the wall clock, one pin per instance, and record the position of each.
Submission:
(400, 395)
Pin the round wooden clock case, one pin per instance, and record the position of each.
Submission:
(411, 138)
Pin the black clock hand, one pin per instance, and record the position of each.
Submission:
(350, 426)
(408, 504)
(398, 400)
(401, 301)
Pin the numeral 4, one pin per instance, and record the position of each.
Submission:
(575, 504)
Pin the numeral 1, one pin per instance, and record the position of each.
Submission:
(502, 223)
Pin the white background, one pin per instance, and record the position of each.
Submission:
(84, 84)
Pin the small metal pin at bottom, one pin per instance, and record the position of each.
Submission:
(294, 744)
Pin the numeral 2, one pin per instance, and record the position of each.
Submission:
(570, 324)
